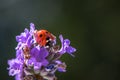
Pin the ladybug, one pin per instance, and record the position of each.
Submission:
(44, 38)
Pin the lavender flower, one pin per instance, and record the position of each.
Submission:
(36, 62)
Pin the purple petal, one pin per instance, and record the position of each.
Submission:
(13, 72)
(45, 62)
(15, 66)
(18, 46)
(62, 51)
(61, 69)
(22, 37)
(26, 31)
(61, 66)
(31, 61)
(70, 50)
(32, 27)
(43, 53)
(67, 42)
(19, 76)
(61, 38)
(28, 42)
(34, 52)
(37, 65)
(58, 62)
(66, 46)
(40, 54)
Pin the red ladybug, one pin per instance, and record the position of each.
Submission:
(43, 37)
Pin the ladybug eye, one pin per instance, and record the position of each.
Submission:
(40, 35)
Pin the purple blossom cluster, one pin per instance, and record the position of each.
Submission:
(35, 62)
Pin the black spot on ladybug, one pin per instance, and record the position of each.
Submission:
(46, 32)
(40, 35)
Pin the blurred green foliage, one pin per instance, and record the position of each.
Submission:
(93, 26)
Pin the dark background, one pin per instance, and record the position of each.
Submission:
(93, 26)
